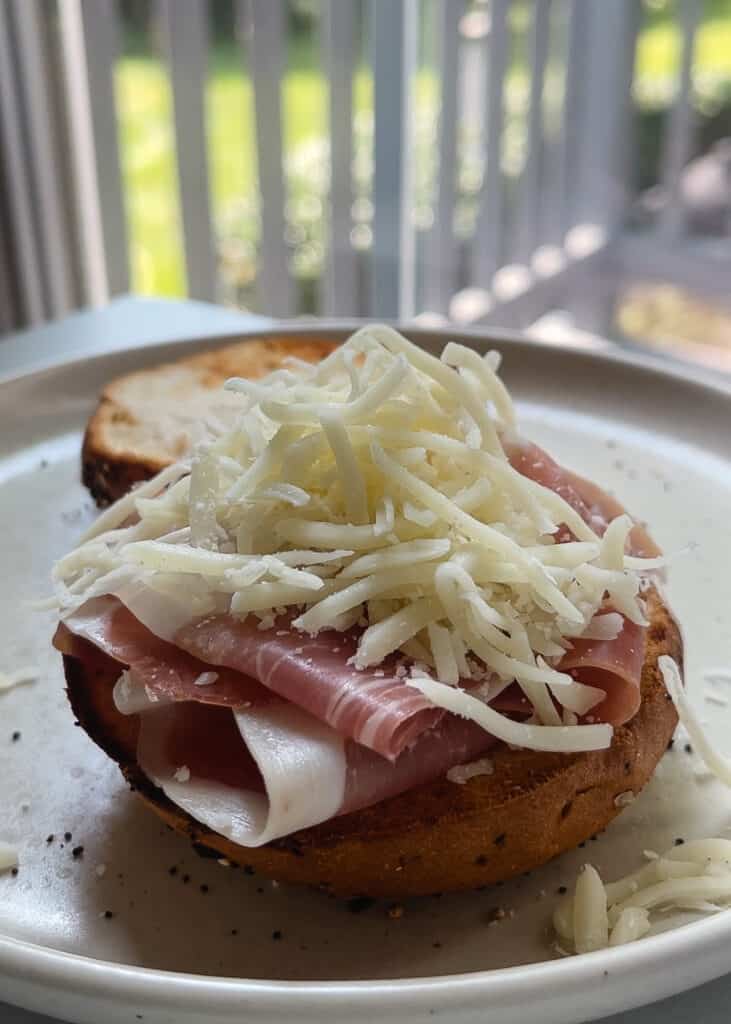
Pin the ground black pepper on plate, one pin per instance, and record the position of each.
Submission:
(186, 879)
(562, 890)
(204, 888)
(172, 870)
(688, 749)
(67, 836)
(50, 838)
(16, 736)
(108, 914)
(276, 935)
(77, 852)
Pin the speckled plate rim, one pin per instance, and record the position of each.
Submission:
(574, 989)
(568, 990)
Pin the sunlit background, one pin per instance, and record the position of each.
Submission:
(148, 161)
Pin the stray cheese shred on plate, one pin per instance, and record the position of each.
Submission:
(694, 876)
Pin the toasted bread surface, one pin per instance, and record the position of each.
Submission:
(148, 419)
(442, 836)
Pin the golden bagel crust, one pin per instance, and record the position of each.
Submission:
(144, 420)
(439, 837)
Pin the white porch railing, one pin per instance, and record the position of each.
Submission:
(535, 244)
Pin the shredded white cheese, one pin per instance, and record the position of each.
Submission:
(205, 679)
(590, 924)
(462, 773)
(18, 676)
(715, 762)
(374, 489)
(695, 875)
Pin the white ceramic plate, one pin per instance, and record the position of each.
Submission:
(174, 951)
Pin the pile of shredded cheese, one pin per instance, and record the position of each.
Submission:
(373, 489)
(694, 876)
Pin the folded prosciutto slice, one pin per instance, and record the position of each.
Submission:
(236, 757)
(614, 666)
(164, 670)
(374, 707)
(290, 770)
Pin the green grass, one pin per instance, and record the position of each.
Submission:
(658, 49)
(146, 136)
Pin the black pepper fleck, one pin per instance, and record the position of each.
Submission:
(436, 945)
(50, 838)
(204, 888)
(234, 931)
(173, 870)
(186, 879)
(260, 888)
(68, 837)
(688, 749)
(562, 890)
(276, 935)
(582, 845)
(500, 840)
(679, 841)
(481, 860)
(248, 870)
(108, 914)
(77, 852)
(16, 736)
(13, 872)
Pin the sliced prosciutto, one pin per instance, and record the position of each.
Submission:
(258, 774)
(167, 672)
(614, 666)
(375, 707)
(594, 505)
